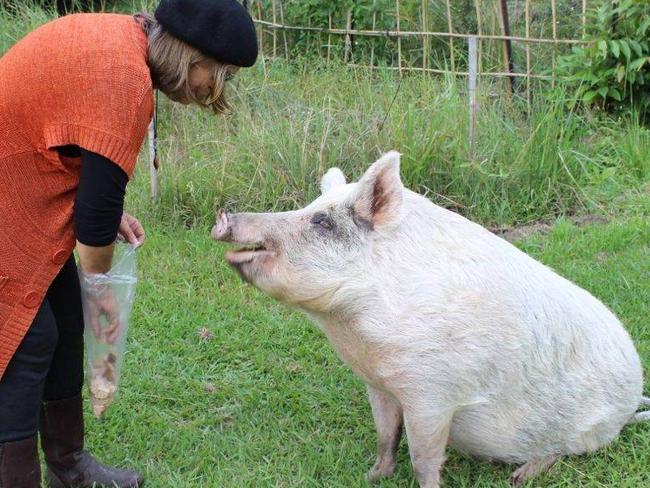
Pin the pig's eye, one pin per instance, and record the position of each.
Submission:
(322, 220)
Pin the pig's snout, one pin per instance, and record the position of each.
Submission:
(244, 229)
(222, 230)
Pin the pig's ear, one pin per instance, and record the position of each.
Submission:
(333, 178)
(379, 194)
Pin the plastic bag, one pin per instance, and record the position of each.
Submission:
(107, 302)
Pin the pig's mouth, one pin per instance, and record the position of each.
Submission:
(247, 254)
(223, 231)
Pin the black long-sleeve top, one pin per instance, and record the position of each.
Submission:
(99, 202)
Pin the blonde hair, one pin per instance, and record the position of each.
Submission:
(170, 61)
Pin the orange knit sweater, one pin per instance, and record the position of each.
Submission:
(82, 79)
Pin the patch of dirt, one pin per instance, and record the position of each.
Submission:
(293, 367)
(518, 232)
(205, 334)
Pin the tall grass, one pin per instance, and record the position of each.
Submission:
(293, 121)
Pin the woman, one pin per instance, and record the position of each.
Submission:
(75, 102)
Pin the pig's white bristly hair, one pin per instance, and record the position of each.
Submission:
(442, 313)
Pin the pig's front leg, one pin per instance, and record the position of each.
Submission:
(388, 419)
(427, 435)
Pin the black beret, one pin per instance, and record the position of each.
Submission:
(220, 29)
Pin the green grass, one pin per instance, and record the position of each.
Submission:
(282, 410)
(265, 401)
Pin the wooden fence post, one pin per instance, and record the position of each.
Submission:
(399, 37)
(374, 26)
(479, 28)
(528, 55)
(425, 39)
(348, 39)
(329, 38)
(284, 31)
(261, 38)
(275, 30)
(472, 45)
(450, 26)
(554, 20)
(507, 44)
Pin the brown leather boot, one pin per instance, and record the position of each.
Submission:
(19, 465)
(68, 465)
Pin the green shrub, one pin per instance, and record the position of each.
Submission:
(613, 69)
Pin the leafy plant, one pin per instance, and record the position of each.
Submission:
(613, 69)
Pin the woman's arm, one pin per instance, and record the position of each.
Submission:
(95, 259)
(98, 211)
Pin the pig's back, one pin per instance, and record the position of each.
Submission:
(574, 377)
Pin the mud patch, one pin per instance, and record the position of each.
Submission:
(518, 232)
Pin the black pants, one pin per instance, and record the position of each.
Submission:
(48, 364)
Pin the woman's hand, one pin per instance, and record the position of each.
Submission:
(131, 230)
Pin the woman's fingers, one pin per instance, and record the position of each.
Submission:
(125, 230)
(138, 230)
(131, 230)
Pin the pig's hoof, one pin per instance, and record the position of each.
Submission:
(380, 471)
(532, 469)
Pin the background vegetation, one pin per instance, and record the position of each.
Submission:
(380, 15)
(224, 387)
(613, 70)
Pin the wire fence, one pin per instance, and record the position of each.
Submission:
(518, 40)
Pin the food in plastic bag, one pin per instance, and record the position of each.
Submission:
(107, 300)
